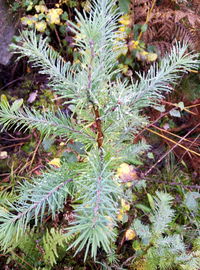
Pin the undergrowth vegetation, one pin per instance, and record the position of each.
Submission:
(94, 204)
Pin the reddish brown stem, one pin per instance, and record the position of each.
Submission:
(99, 128)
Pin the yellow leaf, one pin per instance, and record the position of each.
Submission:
(133, 44)
(62, 144)
(130, 234)
(41, 8)
(30, 6)
(123, 168)
(53, 15)
(55, 162)
(141, 55)
(144, 53)
(121, 211)
(151, 57)
(125, 205)
(129, 184)
(28, 20)
(4, 100)
(35, 17)
(61, 2)
(126, 172)
(125, 20)
(122, 29)
(41, 26)
(120, 217)
(87, 5)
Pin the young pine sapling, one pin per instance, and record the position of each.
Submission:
(108, 114)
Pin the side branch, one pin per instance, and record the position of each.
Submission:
(40, 202)
(47, 123)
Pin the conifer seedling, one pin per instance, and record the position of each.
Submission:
(108, 111)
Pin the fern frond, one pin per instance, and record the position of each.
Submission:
(189, 261)
(163, 260)
(160, 218)
(163, 212)
(173, 243)
(191, 201)
(46, 195)
(52, 240)
(170, 252)
(143, 231)
(6, 198)
(29, 254)
(164, 251)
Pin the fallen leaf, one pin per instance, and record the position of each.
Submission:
(41, 8)
(55, 162)
(129, 184)
(133, 44)
(62, 144)
(28, 20)
(125, 20)
(151, 57)
(41, 26)
(53, 15)
(125, 205)
(130, 234)
(120, 217)
(127, 172)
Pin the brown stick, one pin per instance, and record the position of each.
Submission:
(170, 150)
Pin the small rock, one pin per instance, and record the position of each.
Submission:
(32, 97)
(7, 31)
(3, 155)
